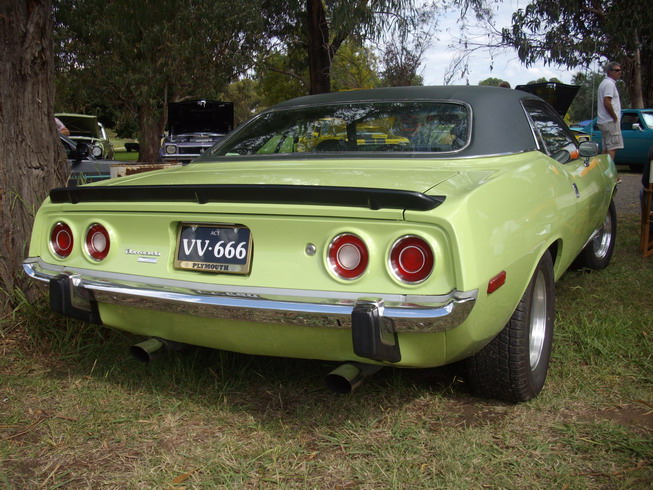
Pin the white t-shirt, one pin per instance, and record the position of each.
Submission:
(608, 88)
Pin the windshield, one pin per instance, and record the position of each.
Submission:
(648, 119)
(433, 127)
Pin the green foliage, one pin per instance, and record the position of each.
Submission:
(134, 56)
(401, 65)
(282, 77)
(316, 39)
(491, 82)
(572, 33)
(544, 80)
(354, 66)
(246, 99)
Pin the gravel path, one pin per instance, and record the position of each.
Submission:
(627, 196)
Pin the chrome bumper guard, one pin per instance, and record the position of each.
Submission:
(79, 290)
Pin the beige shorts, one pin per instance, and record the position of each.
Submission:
(611, 134)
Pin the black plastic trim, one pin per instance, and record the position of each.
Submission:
(61, 301)
(373, 336)
(280, 194)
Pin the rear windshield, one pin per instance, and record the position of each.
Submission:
(433, 127)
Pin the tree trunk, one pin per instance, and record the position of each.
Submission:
(647, 80)
(635, 81)
(32, 160)
(151, 122)
(319, 61)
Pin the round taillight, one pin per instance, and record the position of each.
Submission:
(348, 256)
(97, 242)
(411, 259)
(61, 240)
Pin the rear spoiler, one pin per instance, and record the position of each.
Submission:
(260, 194)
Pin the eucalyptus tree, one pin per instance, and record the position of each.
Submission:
(138, 55)
(318, 28)
(32, 160)
(576, 33)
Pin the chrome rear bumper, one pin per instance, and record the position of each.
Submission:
(326, 309)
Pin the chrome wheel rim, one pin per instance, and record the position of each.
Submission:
(603, 238)
(538, 320)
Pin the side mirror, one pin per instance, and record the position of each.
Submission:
(637, 127)
(588, 149)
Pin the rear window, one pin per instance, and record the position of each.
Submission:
(432, 127)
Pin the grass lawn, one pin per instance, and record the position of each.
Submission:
(77, 411)
(121, 155)
(126, 156)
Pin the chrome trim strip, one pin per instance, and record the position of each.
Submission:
(326, 309)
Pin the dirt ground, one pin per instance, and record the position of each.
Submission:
(627, 197)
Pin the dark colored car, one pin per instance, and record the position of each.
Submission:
(195, 126)
(558, 95)
(85, 168)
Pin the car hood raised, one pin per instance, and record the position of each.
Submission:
(200, 116)
(81, 125)
(558, 95)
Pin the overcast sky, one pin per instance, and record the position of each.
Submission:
(505, 66)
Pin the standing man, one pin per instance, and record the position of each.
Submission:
(61, 127)
(609, 110)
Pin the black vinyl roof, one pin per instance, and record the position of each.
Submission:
(499, 123)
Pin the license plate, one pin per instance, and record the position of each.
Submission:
(214, 248)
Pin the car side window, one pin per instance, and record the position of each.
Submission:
(557, 138)
(648, 119)
(628, 119)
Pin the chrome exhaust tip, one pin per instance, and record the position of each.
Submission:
(347, 377)
(152, 348)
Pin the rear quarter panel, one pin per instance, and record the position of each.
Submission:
(503, 214)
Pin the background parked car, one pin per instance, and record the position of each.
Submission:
(558, 95)
(89, 130)
(637, 131)
(193, 127)
(85, 168)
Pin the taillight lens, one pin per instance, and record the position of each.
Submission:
(411, 259)
(61, 240)
(97, 242)
(348, 256)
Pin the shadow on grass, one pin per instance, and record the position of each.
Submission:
(271, 389)
(268, 389)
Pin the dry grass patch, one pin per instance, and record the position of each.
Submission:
(76, 411)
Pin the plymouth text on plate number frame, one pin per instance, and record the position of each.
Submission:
(221, 248)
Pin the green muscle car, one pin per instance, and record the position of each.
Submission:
(438, 242)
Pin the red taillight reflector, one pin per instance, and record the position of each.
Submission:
(97, 242)
(348, 256)
(411, 259)
(496, 282)
(61, 240)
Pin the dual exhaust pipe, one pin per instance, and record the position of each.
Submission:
(347, 377)
(342, 380)
(155, 347)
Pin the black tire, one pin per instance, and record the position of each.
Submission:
(598, 252)
(513, 366)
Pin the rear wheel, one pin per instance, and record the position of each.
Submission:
(513, 366)
(597, 253)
